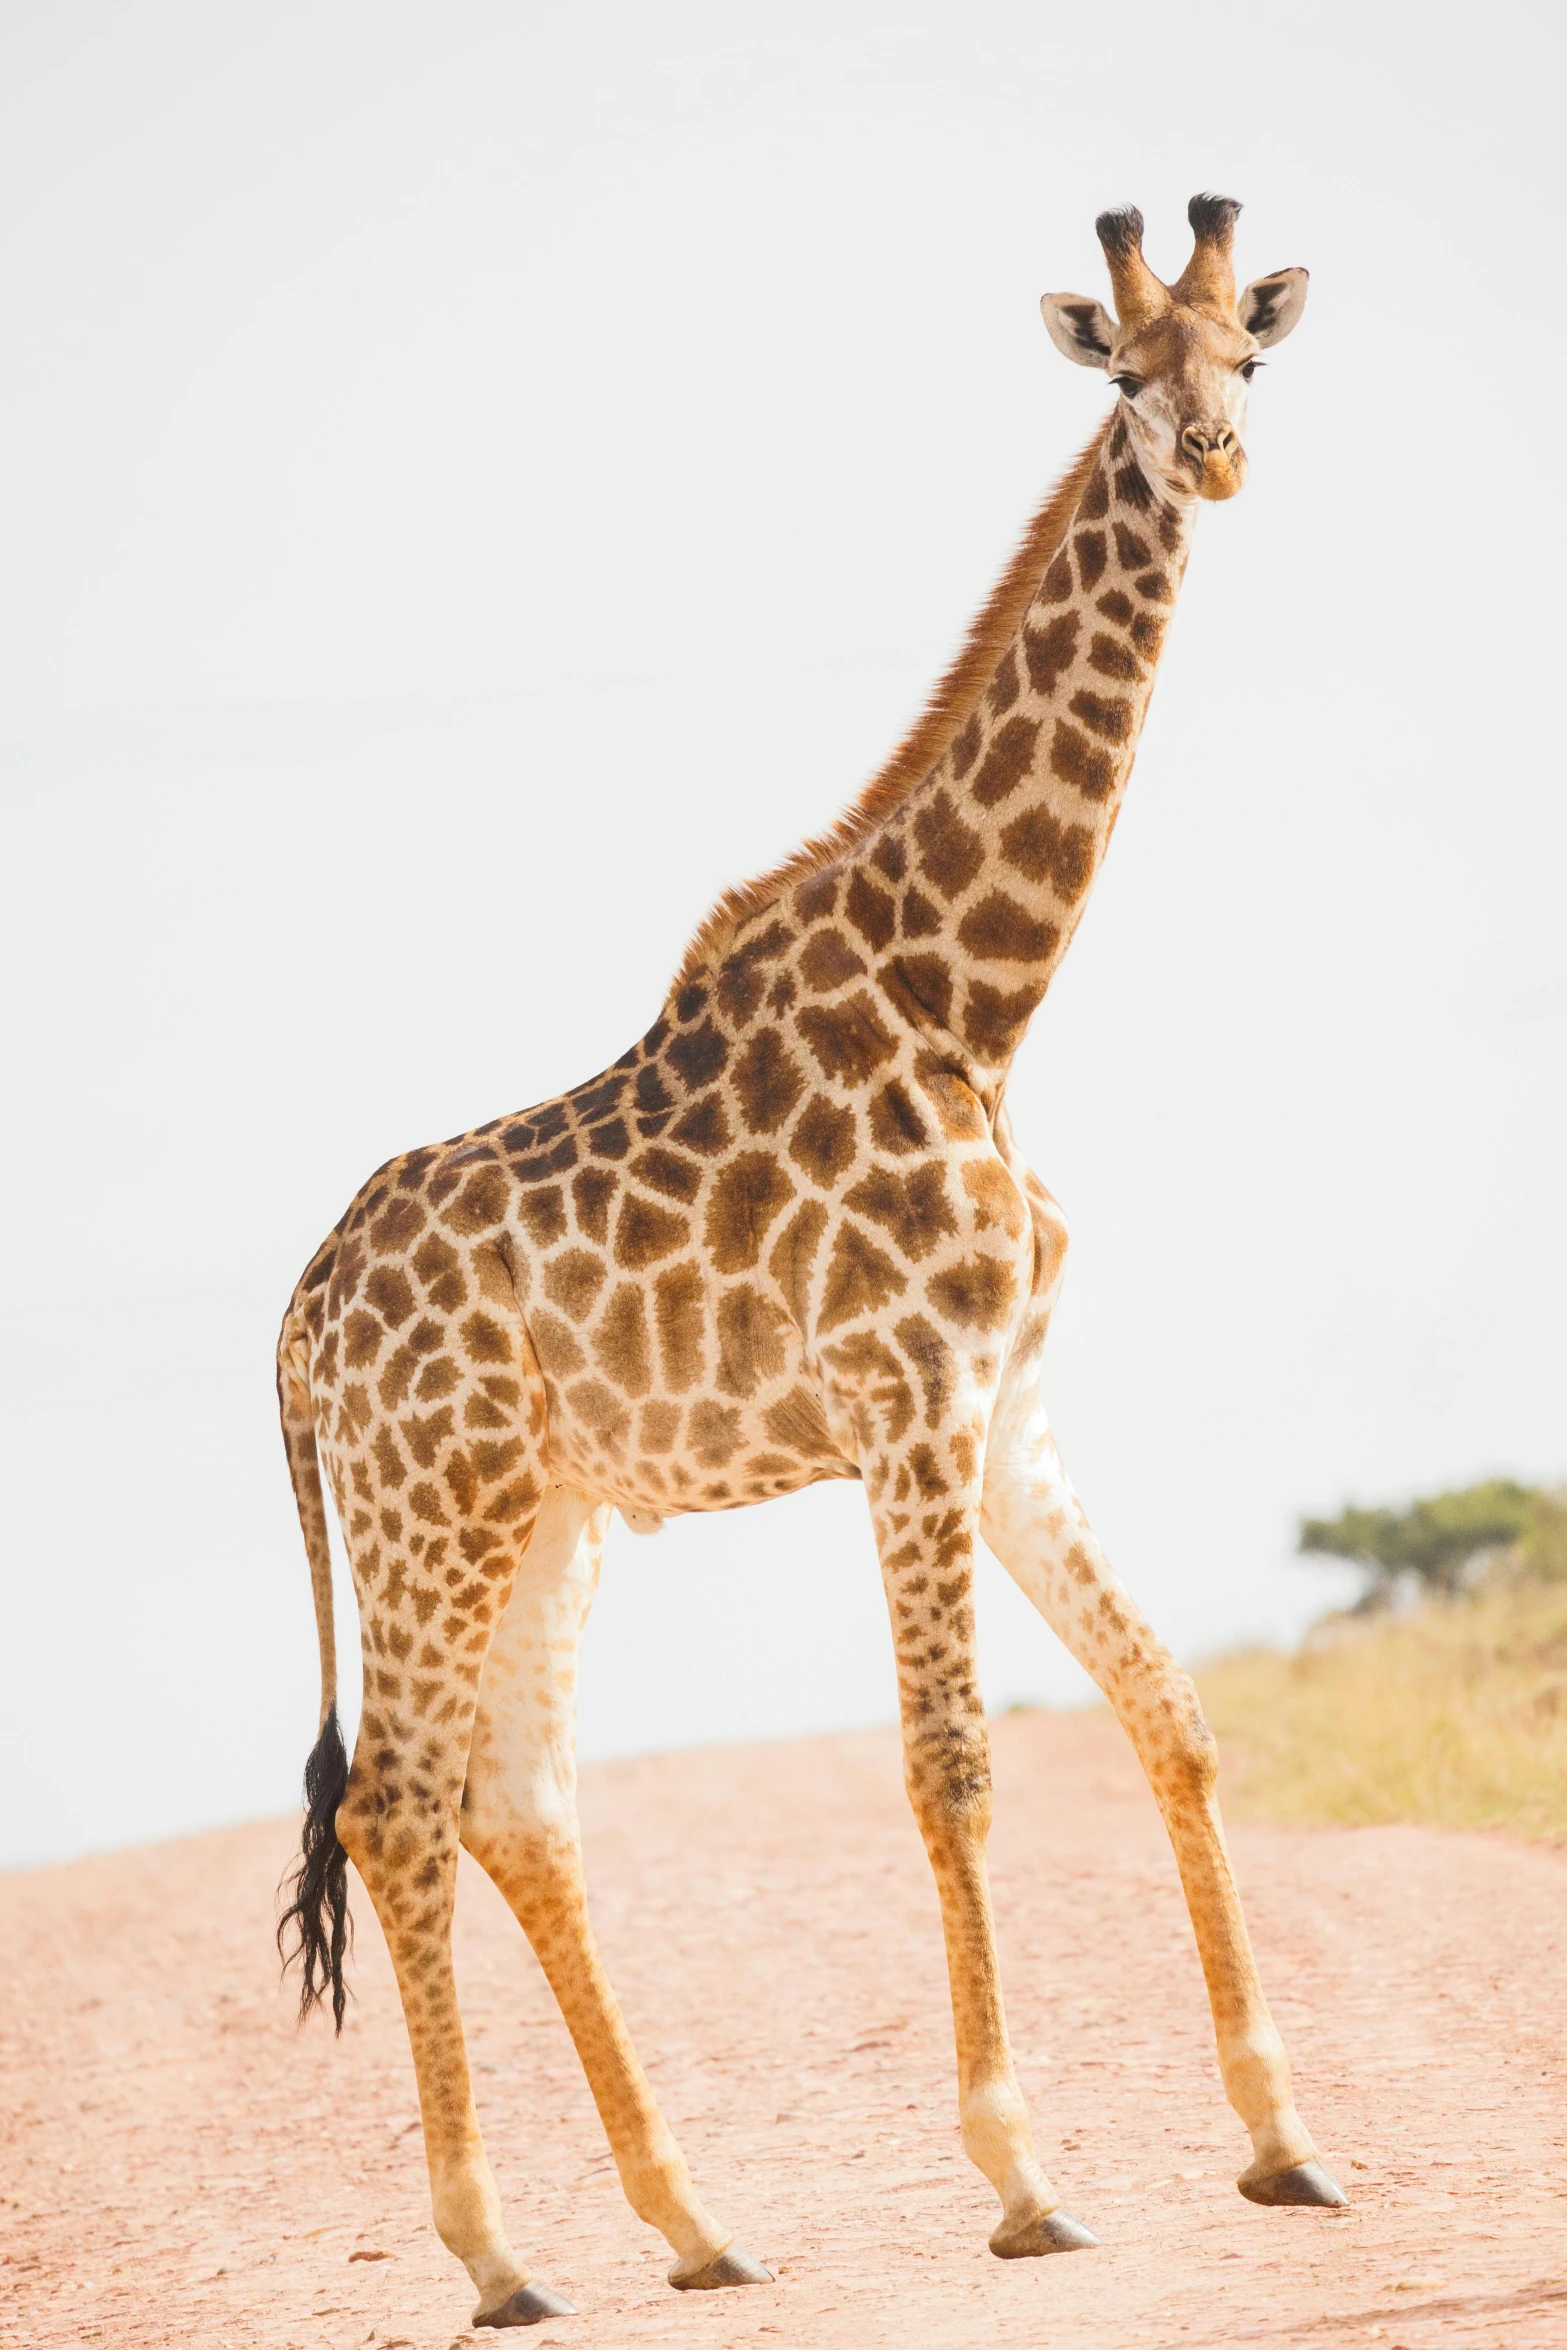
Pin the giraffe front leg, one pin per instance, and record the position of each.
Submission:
(1034, 1523)
(519, 1821)
(926, 1514)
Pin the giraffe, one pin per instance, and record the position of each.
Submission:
(786, 1237)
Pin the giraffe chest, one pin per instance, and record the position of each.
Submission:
(721, 1314)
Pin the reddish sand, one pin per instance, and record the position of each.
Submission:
(182, 2167)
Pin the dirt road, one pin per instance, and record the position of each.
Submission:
(181, 2167)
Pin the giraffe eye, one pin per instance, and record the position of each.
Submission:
(1127, 385)
(1248, 368)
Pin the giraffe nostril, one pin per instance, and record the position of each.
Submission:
(1203, 440)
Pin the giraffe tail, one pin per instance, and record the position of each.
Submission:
(314, 1928)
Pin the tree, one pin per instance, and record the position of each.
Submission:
(1437, 1538)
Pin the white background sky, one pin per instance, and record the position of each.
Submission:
(475, 479)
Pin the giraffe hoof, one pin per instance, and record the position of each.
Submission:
(1303, 2182)
(530, 2305)
(1056, 2232)
(731, 2267)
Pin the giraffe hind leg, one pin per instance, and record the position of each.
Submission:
(439, 1506)
(519, 1820)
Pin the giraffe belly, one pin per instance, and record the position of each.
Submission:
(659, 1455)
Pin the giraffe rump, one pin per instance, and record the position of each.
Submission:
(317, 1915)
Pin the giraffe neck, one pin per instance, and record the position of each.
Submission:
(973, 886)
(966, 864)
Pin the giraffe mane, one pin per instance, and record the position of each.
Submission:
(944, 714)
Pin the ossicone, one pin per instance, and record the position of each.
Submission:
(1139, 295)
(1213, 217)
(1208, 280)
(1120, 229)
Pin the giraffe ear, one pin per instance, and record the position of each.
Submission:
(1084, 330)
(1271, 306)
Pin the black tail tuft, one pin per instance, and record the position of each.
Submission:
(318, 1910)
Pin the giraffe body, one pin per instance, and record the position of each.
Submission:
(786, 1237)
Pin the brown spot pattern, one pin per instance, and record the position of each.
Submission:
(829, 962)
(823, 1141)
(748, 1195)
(1006, 762)
(950, 852)
(849, 1040)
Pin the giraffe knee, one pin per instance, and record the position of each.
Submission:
(1179, 1750)
(948, 1776)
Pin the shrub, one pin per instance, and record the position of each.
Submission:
(1447, 1540)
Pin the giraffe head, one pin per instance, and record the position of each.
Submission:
(1180, 356)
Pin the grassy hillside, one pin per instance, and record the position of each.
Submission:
(1455, 1715)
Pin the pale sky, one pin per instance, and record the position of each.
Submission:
(476, 480)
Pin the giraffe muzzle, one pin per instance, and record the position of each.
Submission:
(1215, 456)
